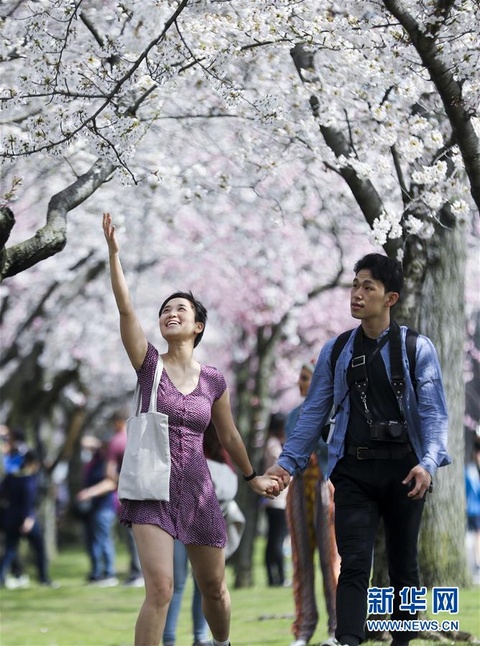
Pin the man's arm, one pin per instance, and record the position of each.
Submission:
(430, 428)
(432, 408)
(314, 415)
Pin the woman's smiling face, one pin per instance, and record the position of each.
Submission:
(177, 320)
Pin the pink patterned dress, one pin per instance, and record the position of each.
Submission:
(193, 514)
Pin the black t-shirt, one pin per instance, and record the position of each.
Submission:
(381, 400)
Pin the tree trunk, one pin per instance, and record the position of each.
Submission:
(442, 318)
(252, 413)
(436, 308)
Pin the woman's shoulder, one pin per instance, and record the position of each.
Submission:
(210, 370)
(214, 377)
(150, 360)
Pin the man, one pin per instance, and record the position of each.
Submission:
(388, 440)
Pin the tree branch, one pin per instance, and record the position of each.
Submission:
(107, 98)
(450, 90)
(363, 191)
(7, 222)
(406, 198)
(51, 238)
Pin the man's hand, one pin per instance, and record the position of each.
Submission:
(418, 481)
(283, 477)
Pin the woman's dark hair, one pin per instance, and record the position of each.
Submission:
(200, 311)
(387, 270)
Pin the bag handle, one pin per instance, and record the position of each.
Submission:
(137, 397)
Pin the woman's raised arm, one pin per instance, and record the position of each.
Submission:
(133, 337)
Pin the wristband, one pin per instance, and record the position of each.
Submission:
(251, 476)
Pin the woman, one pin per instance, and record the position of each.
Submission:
(191, 395)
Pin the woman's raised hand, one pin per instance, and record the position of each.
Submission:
(109, 231)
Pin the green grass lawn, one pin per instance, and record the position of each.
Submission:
(79, 615)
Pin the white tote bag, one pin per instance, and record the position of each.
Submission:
(145, 472)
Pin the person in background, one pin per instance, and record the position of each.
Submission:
(225, 481)
(388, 440)
(310, 518)
(472, 490)
(277, 530)
(115, 451)
(14, 448)
(98, 497)
(20, 489)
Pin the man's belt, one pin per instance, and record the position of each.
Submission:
(365, 453)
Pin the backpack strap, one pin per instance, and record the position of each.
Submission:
(340, 343)
(397, 377)
(410, 341)
(397, 381)
(411, 345)
(338, 346)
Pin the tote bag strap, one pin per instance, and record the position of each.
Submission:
(137, 397)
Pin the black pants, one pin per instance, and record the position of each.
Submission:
(274, 557)
(366, 490)
(36, 540)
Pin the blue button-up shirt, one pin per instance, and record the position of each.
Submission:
(425, 412)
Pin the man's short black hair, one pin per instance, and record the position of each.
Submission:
(200, 311)
(387, 270)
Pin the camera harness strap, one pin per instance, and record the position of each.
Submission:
(359, 367)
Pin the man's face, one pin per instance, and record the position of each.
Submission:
(368, 298)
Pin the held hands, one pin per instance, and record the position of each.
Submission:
(265, 486)
(417, 482)
(271, 483)
(109, 231)
(280, 474)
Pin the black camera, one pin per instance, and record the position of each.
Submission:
(391, 431)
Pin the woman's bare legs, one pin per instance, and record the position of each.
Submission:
(208, 565)
(155, 549)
